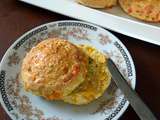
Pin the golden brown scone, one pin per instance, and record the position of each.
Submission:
(53, 68)
(147, 10)
(98, 3)
(97, 81)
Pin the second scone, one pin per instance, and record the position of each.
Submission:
(147, 10)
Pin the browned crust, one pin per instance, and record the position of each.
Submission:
(52, 67)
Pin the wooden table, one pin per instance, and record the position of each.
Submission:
(17, 18)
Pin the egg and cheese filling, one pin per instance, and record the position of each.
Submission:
(97, 80)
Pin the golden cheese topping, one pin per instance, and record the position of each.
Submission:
(147, 10)
(53, 68)
(97, 81)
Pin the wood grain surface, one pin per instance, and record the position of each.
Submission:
(17, 18)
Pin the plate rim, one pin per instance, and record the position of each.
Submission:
(55, 22)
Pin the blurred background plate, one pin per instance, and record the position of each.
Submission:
(114, 19)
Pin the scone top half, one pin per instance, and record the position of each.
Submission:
(53, 68)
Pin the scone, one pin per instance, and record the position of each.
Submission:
(98, 3)
(53, 69)
(97, 81)
(111, 3)
(147, 10)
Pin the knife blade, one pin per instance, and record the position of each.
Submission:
(136, 102)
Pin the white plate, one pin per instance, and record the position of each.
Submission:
(114, 19)
(21, 105)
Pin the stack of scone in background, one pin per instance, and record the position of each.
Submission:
(146, 10)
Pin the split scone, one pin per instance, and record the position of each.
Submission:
(59, 70)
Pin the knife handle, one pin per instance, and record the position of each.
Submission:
(136, 102)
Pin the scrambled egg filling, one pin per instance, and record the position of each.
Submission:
(97, 80)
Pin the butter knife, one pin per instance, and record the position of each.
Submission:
(138, 105)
